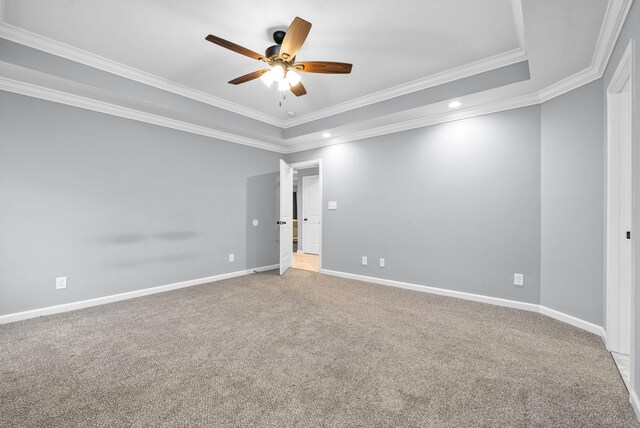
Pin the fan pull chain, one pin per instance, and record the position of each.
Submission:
(283, 97)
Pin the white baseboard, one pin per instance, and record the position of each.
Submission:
(441, 291)
(124, 296)
(635, 403)
(576, 322)
(265, 268)
(560, 316)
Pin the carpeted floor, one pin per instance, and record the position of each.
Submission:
(305, 350)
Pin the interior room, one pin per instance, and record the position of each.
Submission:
(415, 214)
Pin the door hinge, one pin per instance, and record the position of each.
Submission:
(628, 234)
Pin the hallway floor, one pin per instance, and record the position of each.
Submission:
(304, 261)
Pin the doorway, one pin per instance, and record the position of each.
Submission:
(619, 213)
(301, 246)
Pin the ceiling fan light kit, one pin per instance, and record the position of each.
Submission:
(281, 58)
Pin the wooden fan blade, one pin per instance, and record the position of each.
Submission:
(248, 77)
(298, 90)
(326, 67)
(295, 37)
(233, 47)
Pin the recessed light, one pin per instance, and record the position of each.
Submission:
(326, 135)
(455, 104)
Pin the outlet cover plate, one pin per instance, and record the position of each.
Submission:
(518, 279)
(61, 282)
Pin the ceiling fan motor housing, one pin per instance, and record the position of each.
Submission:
(272, 51)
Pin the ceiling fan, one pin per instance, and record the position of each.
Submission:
(282, 59)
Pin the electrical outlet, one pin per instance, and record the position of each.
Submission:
(518, 279)
(232, 258)
(364, 260)
(381, 262)
(61, 282)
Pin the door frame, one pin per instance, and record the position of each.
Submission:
(613, 213)
(311, 164)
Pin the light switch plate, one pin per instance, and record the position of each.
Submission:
(333, 205)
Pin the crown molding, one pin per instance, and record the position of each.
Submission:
(430, 120)
(41, 92)
(612, 24)
(614, 19)
(45, 44)
(568, 84)
(518, 19)
(467, 70)
(487, 64)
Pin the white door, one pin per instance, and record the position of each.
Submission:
(286, 219)
(619, 217)
(311, 206)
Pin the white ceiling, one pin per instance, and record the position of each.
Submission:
(389, 43)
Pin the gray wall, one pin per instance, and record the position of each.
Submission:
(631, 30)
(572, 241)
(118, 205)
(300, 196)
(455, 205)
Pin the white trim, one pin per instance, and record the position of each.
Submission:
(36, 41)
(518, 19)
(45, 44)
(568, 84)
(434, 290)
(635, 403)
(532, 307)
(576, 322)
(66, 307)
(615, 17)
(435, 119)
(468, 70)
(616, 218)
(74, 100)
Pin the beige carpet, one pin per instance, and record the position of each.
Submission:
(305, 350)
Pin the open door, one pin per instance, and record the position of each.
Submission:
(286, 212)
